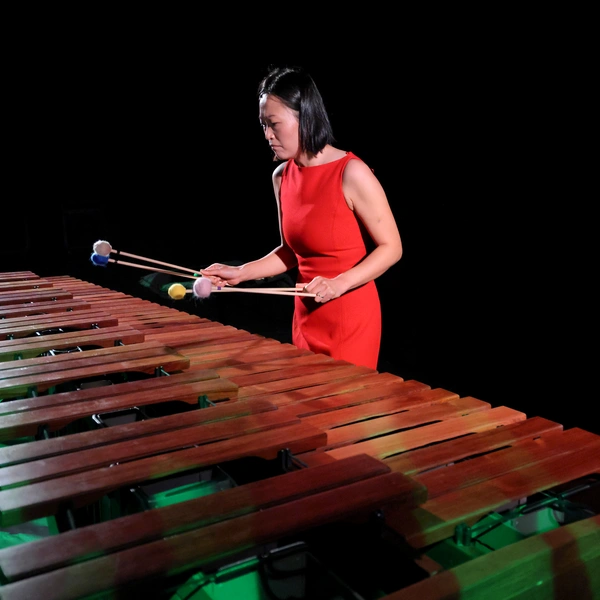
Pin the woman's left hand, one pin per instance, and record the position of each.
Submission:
(325, 289)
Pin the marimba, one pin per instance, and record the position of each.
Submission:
(150, 451)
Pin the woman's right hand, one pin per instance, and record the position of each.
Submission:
(221, 275)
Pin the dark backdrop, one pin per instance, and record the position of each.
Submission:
(161, 153)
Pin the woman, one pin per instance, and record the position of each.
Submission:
(331, 209)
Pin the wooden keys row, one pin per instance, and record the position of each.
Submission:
(148, 446)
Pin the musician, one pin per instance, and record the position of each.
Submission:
(335, 222)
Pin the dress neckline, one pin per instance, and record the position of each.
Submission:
(322, 164)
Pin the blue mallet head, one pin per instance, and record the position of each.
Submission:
(98, 260)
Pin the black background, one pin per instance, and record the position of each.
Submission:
(152, 142)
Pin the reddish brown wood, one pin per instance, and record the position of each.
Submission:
(141, 386)
(120, 451)
(193, 548)
(25, 284)
(46, 295)
(438, 518)
(24, 560)
(561, 563)
(18, 276)
(27, 423)
(42, 308)
(105, 337)
(46, 372)
(22, 504)
(21, 327)
(467, 458)
(42, 449)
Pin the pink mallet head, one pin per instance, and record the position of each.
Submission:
(102, 247)
(202, 287)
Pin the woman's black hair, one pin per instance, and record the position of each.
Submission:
(298, 91)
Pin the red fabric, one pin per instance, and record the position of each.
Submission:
(327, 240)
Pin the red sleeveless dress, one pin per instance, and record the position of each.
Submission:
(328, 239)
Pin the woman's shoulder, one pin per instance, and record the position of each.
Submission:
(279, 169)
(356, 166)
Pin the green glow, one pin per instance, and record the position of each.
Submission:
(186, 492)
(28, 532)
(286, 573)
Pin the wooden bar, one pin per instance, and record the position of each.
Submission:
(105, 337)
(417, 437)
(26, 284)
(562, 563)
(44, 295)
(27, 423)
(139, 388)
(42, 308)
(438, 518)
(18, 276)
(41, 374)
(20, 327)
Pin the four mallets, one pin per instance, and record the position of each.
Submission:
(202, 287)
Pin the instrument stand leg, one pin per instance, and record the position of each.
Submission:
(65, 520)
(204, 402)
(43, 433)
(289, 462)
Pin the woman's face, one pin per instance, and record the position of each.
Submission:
(280, 125)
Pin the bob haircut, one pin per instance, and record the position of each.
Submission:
(297, 90)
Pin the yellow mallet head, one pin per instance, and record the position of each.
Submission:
(177, 291)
